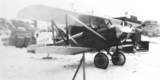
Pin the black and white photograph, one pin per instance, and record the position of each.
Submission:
(79, 40)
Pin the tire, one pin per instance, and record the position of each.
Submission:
(118, 58)
(101, 61)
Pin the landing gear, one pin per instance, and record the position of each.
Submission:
(118, 58)
(101, 61)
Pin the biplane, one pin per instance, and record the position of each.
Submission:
(92, 33)
(98, 35)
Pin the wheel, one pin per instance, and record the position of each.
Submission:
(101, 61)
(118, 58)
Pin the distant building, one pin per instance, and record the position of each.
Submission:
(151, 28)
(131, 19)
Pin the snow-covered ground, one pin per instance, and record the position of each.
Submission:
(17, 64)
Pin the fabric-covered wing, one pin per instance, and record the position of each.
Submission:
(64, 50)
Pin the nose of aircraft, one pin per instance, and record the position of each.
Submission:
(125, 29)
(122, 29)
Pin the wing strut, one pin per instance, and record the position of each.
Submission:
(56, 28)
(67, 29)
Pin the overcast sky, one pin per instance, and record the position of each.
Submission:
(144, 9)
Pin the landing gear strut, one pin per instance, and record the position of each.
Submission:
(117, 58)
